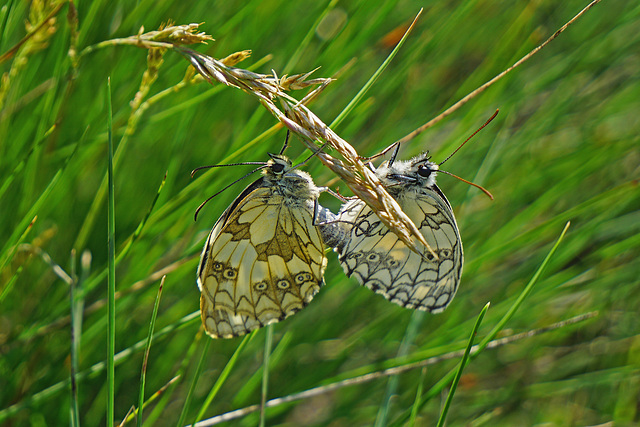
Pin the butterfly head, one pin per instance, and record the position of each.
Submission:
(277, 166)
(417, 172)
(288, 179)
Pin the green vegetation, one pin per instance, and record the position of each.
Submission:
(564, 147)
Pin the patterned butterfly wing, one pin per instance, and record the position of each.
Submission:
(380, 261)
(264, 258)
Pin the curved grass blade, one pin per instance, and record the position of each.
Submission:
(194, 381)
(143, 374)
(440, 385)
(223, 376)
(336, 385)
(463, 363)
(407, 341)
(416, 406)
(111, 276)
(351, 105)
(268, 343)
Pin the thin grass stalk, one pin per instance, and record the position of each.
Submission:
(268, 343)
(11, 52)
(8, 254)
(308, 37)
(17, 168)
(352, 104)
(223, 376)
(194, 381)
(392, 385)
(302, 121)
(444, 381)
(111, 277)
(27, 221)
(317, 391)
(160, 392)
(490, 83)
(5, 10)
(126, 247)
(416, 402)
(185, 363)
(129, 413)
(463, 363)
(75, 343)
(147, 349)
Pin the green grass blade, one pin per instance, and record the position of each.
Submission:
(111, 277)
(76, 332)
(27, 221)
(416, 402)
(440, 385)
(20, 166)
(352, 104)
(463, 363)
(96, 369)
(268, 343)
(194, 381)
(409, 337)
(143, 372)
(8, 255)
(223, 376)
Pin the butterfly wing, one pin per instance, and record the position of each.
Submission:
(263, 261)
(380, 261)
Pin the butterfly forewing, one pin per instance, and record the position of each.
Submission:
(380, 261)
(264, 259)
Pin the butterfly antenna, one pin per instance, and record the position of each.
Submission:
(193, 172)
(309, 158)
(484, 190)
(195, 217)
(472, 135)
(382, 153)
(286, 142)
(395, 153)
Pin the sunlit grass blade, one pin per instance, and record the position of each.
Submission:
(194, 381)
(20, 166)
(254, 383)
(223, 376)
(416, 402)
(111, 277)
(8, 254)
(160, 392)
(463, 363)
(143, 373)
(371, 376)
(410, 334)
(97, 368)
(444, 381)
(129, 413)
(166, 393)
(352, 104)
(75, 312)
(27, 221)
(268, 341)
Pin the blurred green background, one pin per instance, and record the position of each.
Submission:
(563, 148)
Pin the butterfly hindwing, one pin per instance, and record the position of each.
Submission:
(379, 260)
(264, 258)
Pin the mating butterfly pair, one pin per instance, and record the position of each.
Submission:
(264, 259)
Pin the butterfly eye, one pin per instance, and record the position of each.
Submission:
(424, 171)
(277, 168)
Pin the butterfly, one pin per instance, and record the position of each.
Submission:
(379, 260)
(264, 258)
